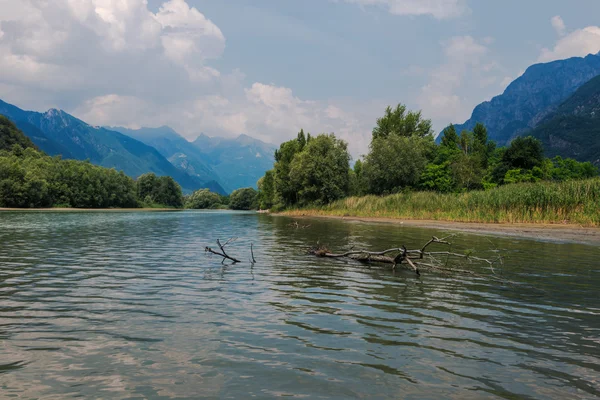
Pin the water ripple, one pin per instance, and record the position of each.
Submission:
(128, 305)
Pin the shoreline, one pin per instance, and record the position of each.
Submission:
(545, 232)
(60, 209)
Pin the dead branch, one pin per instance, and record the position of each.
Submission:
(223, 253)
(252, 252)
(414, 258)
(296, 225)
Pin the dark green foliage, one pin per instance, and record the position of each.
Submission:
(163, 190)
(320, 171)
(395, 162)
(401, 123)
(10, 136)
(523, 152)
(243, 199)
(28, 178)
(266, 190)
(285, 192)
(204, 199)
(449, 137)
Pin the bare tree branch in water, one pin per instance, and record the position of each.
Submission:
(223, 253)
(417, 260)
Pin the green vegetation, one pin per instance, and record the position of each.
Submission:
(243, 199)
(10, 136)
(204, 199)
(29, 178)
(160, 191)
(464, 178)
(575, 202)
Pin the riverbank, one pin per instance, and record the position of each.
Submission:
(547, 232)
(60, 209)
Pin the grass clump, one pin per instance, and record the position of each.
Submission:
(574, 202)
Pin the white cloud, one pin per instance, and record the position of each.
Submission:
(559, 25)
(115, 62)
(440, 9)
(578, 43)
(467, 68)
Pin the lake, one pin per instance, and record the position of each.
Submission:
(129, 305)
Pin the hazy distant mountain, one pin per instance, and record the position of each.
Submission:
(573, 129)
(58, 133)
(533, 96)
(180, 152)
(234, 163)
(240, 162)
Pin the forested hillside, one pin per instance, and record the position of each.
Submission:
(573, 130)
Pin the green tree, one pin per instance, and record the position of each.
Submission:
(266, 190)
(285, 193)
(358, 185)
(243, 199)
(321, 170)
(162, 190)
(10, 136)
(523, 153)
(399, 122)
(203, 199)
(396, 162)
(437, 177)
(450, 138)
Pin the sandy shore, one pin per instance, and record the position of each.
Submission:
(91, 209)
(547, 232)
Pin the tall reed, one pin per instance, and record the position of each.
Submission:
(575, 202)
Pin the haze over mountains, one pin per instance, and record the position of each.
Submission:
(211, 163)
(234, 163)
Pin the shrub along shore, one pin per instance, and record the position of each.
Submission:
(572, 202)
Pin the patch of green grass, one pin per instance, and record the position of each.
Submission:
(573, 202)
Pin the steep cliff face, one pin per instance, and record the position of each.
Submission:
(573, 128)
(532, 97)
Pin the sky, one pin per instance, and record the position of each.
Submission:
(268, 68)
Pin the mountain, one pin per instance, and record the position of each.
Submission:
(573, 129)
(531, 97)
(180, 152)
(234, 163)
(59, 133)
(240, 162)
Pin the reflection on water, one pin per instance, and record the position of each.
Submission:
(128, 305)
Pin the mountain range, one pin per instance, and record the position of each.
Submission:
(235, 163)
(529, 99)
(221, 165)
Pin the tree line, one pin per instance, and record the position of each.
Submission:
(403, 156)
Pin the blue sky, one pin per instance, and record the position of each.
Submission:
(270, 67)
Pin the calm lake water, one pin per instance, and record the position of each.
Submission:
(128, 305)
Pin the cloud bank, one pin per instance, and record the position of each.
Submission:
(115, 62)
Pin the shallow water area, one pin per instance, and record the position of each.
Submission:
(129, 305)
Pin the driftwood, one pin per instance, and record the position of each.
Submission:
(223, 253)
(415, 259)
